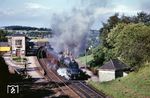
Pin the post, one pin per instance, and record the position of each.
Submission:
(25, 68)
(21, 58)
(11, 54)
(90, 48)
(86, 57)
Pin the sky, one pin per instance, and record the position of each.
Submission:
(42, 13)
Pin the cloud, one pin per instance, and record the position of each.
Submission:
(6, 12)
(123, 9)
(37, 10)
(31, 5)
(102, 10)
(26, 10)
(33, 14)
(96, 3)
(145, 5)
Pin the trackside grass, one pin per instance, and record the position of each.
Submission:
(83, 59)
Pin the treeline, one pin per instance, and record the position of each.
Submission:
(39, 34)
(124, 38)
(3, 35)
(27, 28)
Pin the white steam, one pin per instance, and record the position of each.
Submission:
(71, 29)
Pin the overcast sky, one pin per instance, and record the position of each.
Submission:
(40, 12)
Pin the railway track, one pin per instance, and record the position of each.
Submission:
(75, 89)
(87, 90)
(63, 87)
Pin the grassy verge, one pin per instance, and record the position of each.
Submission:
(135, 85)
(83, 59)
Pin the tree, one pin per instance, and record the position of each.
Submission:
(112, 42)
(112, 22)
(3, 35)
(141, 17)
(99, 55)
(131, 43)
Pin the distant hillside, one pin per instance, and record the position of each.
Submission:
(26, 28)
(135, 85)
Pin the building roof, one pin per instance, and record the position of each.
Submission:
(114, 65)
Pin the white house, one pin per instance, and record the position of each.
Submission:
(112, 70)
(18, 44)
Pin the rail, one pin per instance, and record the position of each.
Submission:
(50, 73)
(78, 88)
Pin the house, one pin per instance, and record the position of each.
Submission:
(18, 44)
(21, 45)
(112, 70)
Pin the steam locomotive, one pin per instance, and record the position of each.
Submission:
(72, 67)
(73, 70)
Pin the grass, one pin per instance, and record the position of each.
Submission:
(83, 59)
(135, 85)
(19, 59)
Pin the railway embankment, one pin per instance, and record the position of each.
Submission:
(135, 85)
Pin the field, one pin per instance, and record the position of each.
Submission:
(135, 85)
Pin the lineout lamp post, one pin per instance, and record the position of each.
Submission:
(90, 48)
(86, 57)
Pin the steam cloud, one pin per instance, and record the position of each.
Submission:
(71, 29)
(71, 32)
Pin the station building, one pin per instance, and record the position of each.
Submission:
(18, 44)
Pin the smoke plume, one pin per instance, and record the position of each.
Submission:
(71, 29)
